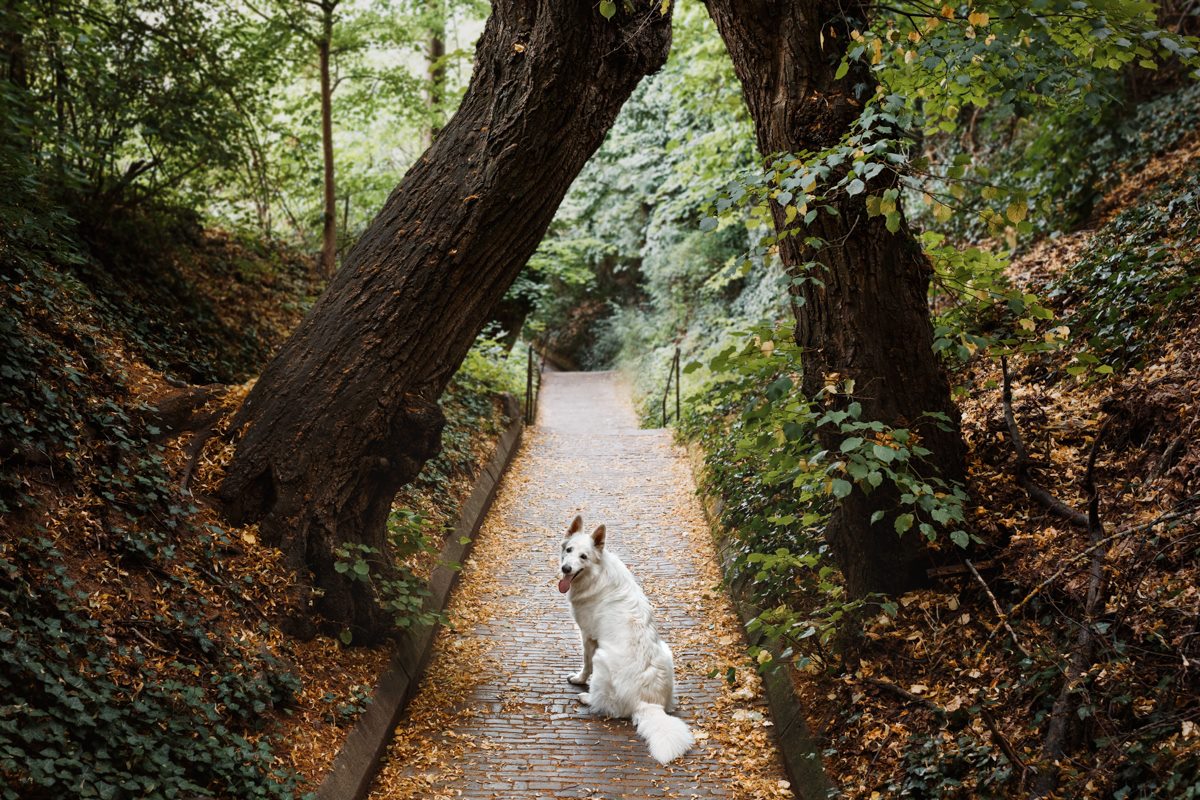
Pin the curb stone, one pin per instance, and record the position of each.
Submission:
(357, 762)
(799, 748)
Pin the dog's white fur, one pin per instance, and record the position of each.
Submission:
(626, 666)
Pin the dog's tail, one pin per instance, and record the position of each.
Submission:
(668, 737)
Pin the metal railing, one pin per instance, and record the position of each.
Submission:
(673, 373)
(533, 385)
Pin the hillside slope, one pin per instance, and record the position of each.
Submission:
(142, 655)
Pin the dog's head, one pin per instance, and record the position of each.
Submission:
(580, 552)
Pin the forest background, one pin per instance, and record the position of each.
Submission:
(182, 178)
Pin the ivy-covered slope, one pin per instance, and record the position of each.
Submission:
(140, 653)
(951, 692)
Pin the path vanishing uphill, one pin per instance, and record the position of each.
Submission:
(495, 716)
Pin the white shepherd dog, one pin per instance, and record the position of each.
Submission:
(626, 666)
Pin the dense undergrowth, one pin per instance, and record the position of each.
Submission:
(1087, 289)
(141, 654)
(931, 691)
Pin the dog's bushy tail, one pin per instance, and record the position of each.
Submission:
(669, 737)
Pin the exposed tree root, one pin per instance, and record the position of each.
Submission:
(1054, 747)
(1024, 479)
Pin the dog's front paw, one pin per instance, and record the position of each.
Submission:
(585, 698)
(579, 679)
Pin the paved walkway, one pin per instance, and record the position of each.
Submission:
(495, 717)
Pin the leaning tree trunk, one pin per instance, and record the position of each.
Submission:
(347, 412)
(870, 320)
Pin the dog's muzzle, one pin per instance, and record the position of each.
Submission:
(564, 583)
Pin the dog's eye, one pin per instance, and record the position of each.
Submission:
(568, 549)
(583, 556)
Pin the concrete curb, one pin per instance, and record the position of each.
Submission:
(356, 764)
(799, 748)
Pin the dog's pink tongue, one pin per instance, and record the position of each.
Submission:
(564, 584)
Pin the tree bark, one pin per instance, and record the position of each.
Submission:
(347, 412)
(328, 261)
(870, 321)
(435, 74)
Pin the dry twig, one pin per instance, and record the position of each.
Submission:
(1024, 479)
(999, 611)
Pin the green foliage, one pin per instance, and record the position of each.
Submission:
(40, 411)
(348, 710)
(71, 726)
(68, 728)
(395, 587)
(1141, 266)
(73, 723)
(490, 369)
(625, 238)
(946, 765)
(1061, 160)
(130, 100)
(981, 312)
(779, 483)
(929, 64)
(1015, 55)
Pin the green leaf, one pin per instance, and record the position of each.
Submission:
(842, 69)
(841, 488)
(903, 523)
(855, 186)
(885, 454)
(608, 9)
(960, 538)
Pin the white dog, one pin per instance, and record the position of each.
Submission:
(630, 669)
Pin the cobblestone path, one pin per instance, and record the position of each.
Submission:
(495, 716)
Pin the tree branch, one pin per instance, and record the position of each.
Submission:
(999, 611)
(1054, 747)
(1024, 480)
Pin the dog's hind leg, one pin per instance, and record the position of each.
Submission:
(589, 649)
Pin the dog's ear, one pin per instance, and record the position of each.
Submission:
(576, 525)
(598, 537)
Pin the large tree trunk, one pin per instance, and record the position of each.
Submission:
(870, 320)
(329, 217)
(347, 412)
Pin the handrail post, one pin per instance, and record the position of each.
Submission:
(664, 400)
(529, 387)
(666, 394)
(677, 416)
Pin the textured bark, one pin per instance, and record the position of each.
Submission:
(870, 321)
(347, 413)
